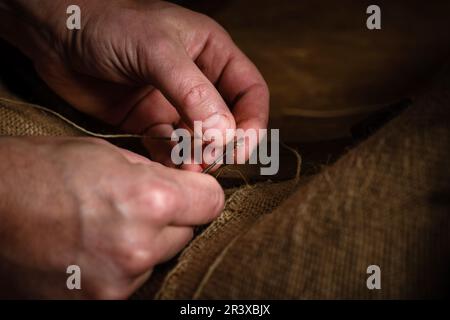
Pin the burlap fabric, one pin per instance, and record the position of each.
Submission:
(385, 203)
(21, 119)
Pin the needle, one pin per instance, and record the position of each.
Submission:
(218, 159)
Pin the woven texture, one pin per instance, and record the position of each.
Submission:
(385, 203)
(21, 119)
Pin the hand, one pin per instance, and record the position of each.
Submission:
(148, 67)
(66, 201)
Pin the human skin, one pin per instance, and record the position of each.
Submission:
(85, 202)
(147, 67)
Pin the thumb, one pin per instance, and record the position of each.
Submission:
(190, 92)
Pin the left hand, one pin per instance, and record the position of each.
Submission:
(150, 67)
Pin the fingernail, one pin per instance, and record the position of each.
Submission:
(216, 121)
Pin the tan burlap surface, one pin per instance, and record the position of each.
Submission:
(21, 119)
(385, 203)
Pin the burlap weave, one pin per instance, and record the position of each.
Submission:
(385, 203)
(21, 119)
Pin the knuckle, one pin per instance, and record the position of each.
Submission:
(153, 199)
(162, 201)
(196, 95)
(132, 255)
(137, 260)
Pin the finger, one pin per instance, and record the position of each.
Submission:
(204, 199)
(237, 78)
(171, 241)
(199, 200)
(191, 165)
(160, 150)
(251, 101)
(154, 116)
(240, 83)
(155, 249)
(152, 109)
(244, 88)
(210, 152)
(215, 55)
(192, 94)
(107, 101)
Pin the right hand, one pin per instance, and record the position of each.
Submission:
(85, 202)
